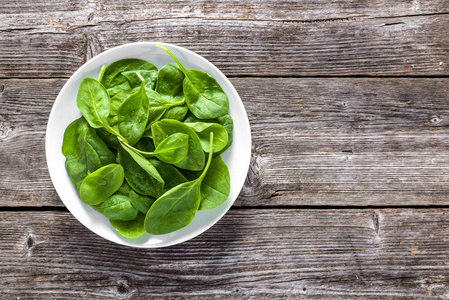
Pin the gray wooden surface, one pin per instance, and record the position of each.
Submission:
(347, 195)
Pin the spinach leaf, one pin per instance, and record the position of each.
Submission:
(169, 83)
(141, 202)
(203, 95)
(171, 150)
(117, 207)
(130, 229)
(177, 207)
(194, 160)
(176, 113)
(94, 103)
(145, 144)
(133, 115)
(172, 177)
(158, 106)
(85, 152)
(137, 177)
(118, 99)
(113, 74)
(225, 121)
(134, 80)
(125, 86)
(142, 162)
(108, 138)
(101, 184)
(216, 185)
(203, 131)
(124, 190)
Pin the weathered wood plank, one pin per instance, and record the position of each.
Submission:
(251, 254)
(403, 46)
(68, 14)
(338, 142)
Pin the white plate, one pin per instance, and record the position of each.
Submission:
(64, 111)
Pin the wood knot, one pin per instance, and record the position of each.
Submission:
(30, 242)
(2, 88)
(435, 120)
(123, 288)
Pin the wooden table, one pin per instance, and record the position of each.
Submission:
(348, 190)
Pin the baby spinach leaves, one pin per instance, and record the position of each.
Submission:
(94, 103)
(117, 207)
(225, 121)
(85, 152)
(204, 96)
(137, 113)
(171, 150)
(216, 185)
(130, 229)
(133, 115)
(142, 162)
(113, 75)
(177, 207)
(143, 180)
(203, 131)
(101, 184)
(194, 160)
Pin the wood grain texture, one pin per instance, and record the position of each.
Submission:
(69, 14)
(402, 46)
(332, 141)
(256, 254)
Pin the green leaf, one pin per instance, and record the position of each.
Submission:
(113, 74)
(85, 152)
(172, 177)
(169, 82)
(108, 138)
(143, 163)
(203, 131)
(170, 150)
(101, 184)
(94, 103)
(117, 207)
(216, 186)
(133, 115)
(173, 148)
(141, 202)
(194, 160)
(177, 207)
(176, 113)
(139, 179)
(130, 229)
(150, 78)
(203, 95)
(225, 121)
(125, 86)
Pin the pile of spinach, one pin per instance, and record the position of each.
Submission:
(146, 152)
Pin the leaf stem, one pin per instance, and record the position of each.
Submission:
(111, 130)
(210, 157)
(134, 149)
(140, 76)
(100, 76)
(175, 59)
